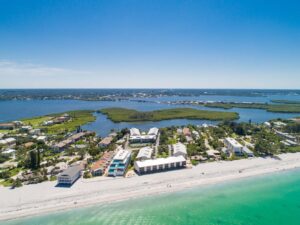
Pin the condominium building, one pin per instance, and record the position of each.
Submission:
(235, 147)
(159, 165)
(137, 137)
(145, 153)
(179, 149)
(119, 163)
(70, 175)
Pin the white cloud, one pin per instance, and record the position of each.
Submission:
(16, 70)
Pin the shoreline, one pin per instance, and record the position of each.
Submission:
(44, 198)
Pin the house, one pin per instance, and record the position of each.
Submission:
(9, 152)
(8, 142)
(105, 141)
(233, 146)
(213, 153)
(179, 131)
(98, 168)
(70, 175)
(159, 165)
(35, 131)
(26, 128)
(48, 123)
(28, 144)
(119, 163)
(196, 134)
(145, 153)
(279, 124)
(286, 136)
(186, 131)
(42, 138)
(189, 139)
(72, 139)
(179, 149)
(7, 126)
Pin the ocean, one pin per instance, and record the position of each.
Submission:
(268, 199)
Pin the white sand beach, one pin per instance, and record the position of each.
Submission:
(45, 197)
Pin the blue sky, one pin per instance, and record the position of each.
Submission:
(149, 44)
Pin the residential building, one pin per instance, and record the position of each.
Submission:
(70, 175)
(248, 152)
(9, 152)
(119, 163)
(196, 134)
(28, 144)
(98, 168)
(213, 153)
(189, 139)
(137, 137)
(145, 153)
(186, 131)
(105, 141)
(72, 139)
(179, 149)
(159, 165)
(7, 126)
(42, 138)
(8, 142)
(233, 146)
(286, 136)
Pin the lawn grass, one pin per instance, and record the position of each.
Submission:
(36, 121)
(130, 115)
(79, 118)
(293, 149)
(4, 131)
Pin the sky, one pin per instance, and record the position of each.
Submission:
(149, 44)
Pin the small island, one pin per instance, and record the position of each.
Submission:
(131, 115)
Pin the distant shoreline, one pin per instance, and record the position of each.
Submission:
(45, 198)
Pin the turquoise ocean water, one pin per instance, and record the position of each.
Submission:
(270, 199)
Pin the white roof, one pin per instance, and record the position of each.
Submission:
(291, 142)
(121, 154)
(160, 161)
(8, 151)
(41, 138)
(179, 147)
(153, 131)
(145, 152)
(134, 132)
(7, 141)
(247, 150)
(195, 132)
(212, 152)
(233, 142)
(3, 142)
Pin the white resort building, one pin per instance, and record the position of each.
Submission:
(137, 137)
(160, 164)
(235, 147)
(70, 175)
(119, 163)
(179, 149)
(145, 153)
